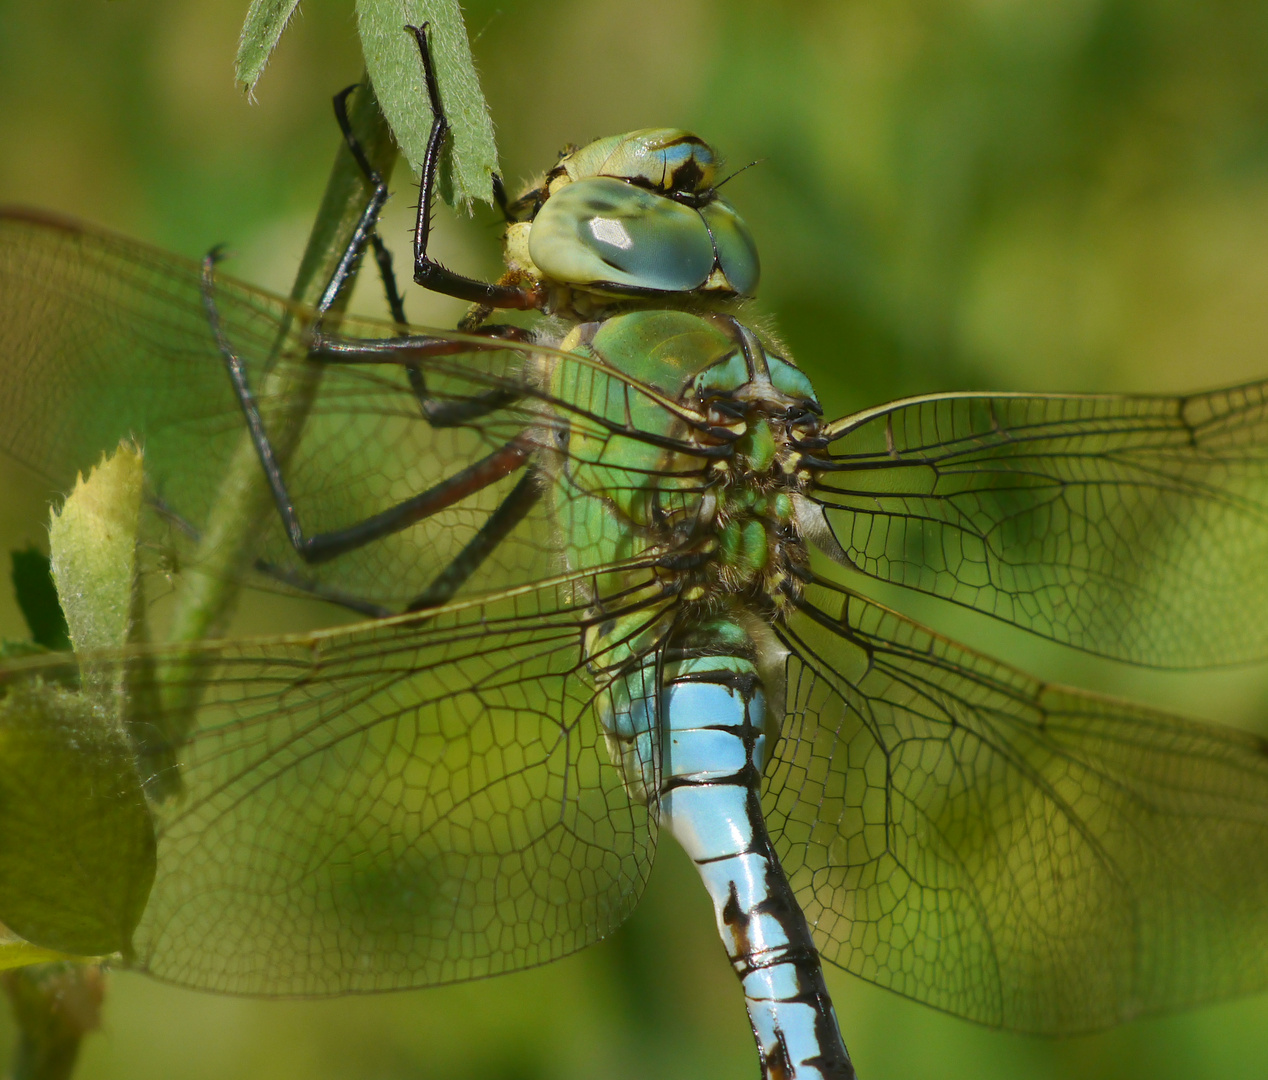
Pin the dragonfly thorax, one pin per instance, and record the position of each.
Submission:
(632, 218)
(697, 463)
(750, 513)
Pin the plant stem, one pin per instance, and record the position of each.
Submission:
(210, 586)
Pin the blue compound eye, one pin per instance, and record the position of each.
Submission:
(605, 231)
(637, 213)
(610, 235)
(736, 249)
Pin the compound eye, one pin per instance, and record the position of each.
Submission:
(737, 251)
(602, 231)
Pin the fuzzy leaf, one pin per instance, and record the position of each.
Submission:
(396, 70)
(93, 544)
(265, 21)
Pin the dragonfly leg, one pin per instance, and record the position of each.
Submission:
(326, 348)
(499, 197)
(364, 232)
(383, 260)
(509, 513)
(427, 271)
(322, 546)
(453, 489)
(332, 349)
(382, 257)
(408, 350)
(283, 574)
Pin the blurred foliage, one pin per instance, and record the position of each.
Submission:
(56, 1006)
(77, 859)
(951, 194)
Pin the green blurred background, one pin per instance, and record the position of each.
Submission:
(952, 194)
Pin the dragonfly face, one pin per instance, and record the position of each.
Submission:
(635, 215)
(626, 573)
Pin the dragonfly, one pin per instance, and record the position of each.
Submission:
(615, 576)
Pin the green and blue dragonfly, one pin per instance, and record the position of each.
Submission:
(614, 572)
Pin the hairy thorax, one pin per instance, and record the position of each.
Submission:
(691, 463)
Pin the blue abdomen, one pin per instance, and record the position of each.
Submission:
(695, 746)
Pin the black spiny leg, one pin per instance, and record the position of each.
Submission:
(322, 546)
(366, 224)
(342, 350)
(427, 272)
(499, 197)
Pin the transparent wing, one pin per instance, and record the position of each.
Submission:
(400, 803)
(1020, 854)
(1132, 527)
(104, 338)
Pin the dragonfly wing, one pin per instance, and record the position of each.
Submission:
(400, 803)
(106, 338)
(1132, 527)
(1023, 855)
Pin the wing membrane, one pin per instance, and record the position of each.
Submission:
(105, 338)
(400, 803)
(1132, 527)
(1021, 854)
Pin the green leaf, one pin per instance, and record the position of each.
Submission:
(265, 21)
(77, 846)
(77, 850)
(93, 544)
(37, 597)
(396, 70)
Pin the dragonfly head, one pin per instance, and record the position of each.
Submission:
(635, 216)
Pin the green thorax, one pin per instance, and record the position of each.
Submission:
(691, 460)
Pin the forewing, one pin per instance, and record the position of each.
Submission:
(1132, 527)
(1020, 854)
(105, 338)
(400, 803)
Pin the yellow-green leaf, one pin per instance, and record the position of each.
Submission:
(77, 846)
(92, 541)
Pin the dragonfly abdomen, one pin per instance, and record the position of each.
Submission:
(713, 748)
